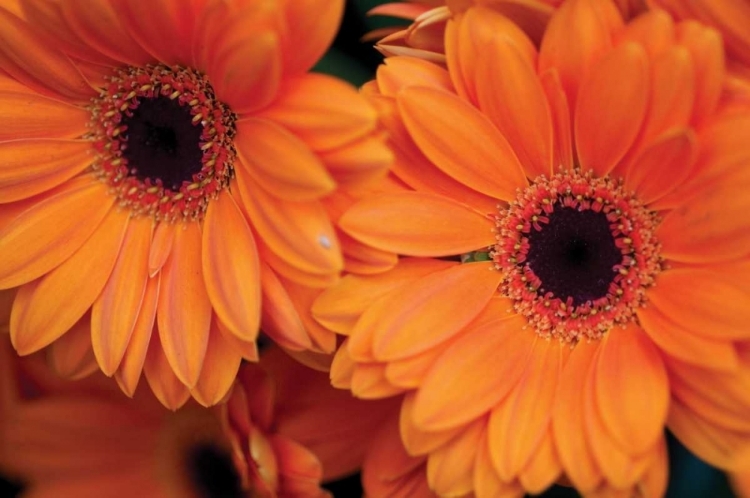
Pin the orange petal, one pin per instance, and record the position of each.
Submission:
(245, 68)
(654, 30)
(663, 165)
(359, 163)
(342, 367)
(131, 367)
(572, 53)
(450, 468)
(279, 318)
(467, 380)
(410, 372)
(161, 378)
(544, 468)
(417, 441)
(511, 95)
(220, 367)
(418, 224)
(313, 26)
(413, 324)
(280, 162)
(30, 167)
(71, 356)
(369, 382)
(398, 72)
(487, 483)
(632, 389)
(706, 48)
(63, 221)
(704, 302)
(619, 84)
(302, 296)
(439, 121)
(49, 307)
(561, 120)
(323, 111)
(35, 116)
(115, 312)
(99, 26)
(712, 226)
(231, 268)
(184, 309)
(300, 233)
(27, 58)
(161, 246)
(340, 306)
(363, 259)
(519, 424)
(567, 419)
(686, 345)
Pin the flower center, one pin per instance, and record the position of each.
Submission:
(164, 142)
(577, 254)
(213, 473)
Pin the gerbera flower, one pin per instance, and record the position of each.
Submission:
(170, 167)
(578, 230)
(423, 38)
(83, 438)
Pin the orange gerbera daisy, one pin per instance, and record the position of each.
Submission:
(579, 236)
(424, 37)
(171, 167)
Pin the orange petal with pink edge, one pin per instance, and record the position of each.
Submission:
(418, 224)
(369, 382)
(161, 246)
(573, 52)
(611, 107)
(417, 441)
(30, 167)
(131, 366)
(48, 71)
(313, 27)
(231, 268)
(161, 378)
(711, 226)
(686, 345)
(323, 111)
(518, 425)
(487, 483)
(631, 389)
(280, 162)
(543, 469)
(63, 221)
(715, 445)
(704, 302)
(399, 72)
(36, 116)
(413, 324)
(663, 165)
(115, 312)
(562, 153)
(300, 233)
(183, 312)
(220, 367)
(340, 306)
(279, 317)
(450, 468)
(47, 308)
(71, 356)
(98, 25)
(438, 121)
(706, 49)
(467, 380)
(510, 94)
(568, 423)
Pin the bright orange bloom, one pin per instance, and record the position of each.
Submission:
(424, 38)
(172, 180)
(84, 438)
(578, 231)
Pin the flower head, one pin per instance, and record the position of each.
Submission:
(172, 181)
(577, 233)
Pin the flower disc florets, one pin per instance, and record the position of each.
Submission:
(165, 142)
(577, 253)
